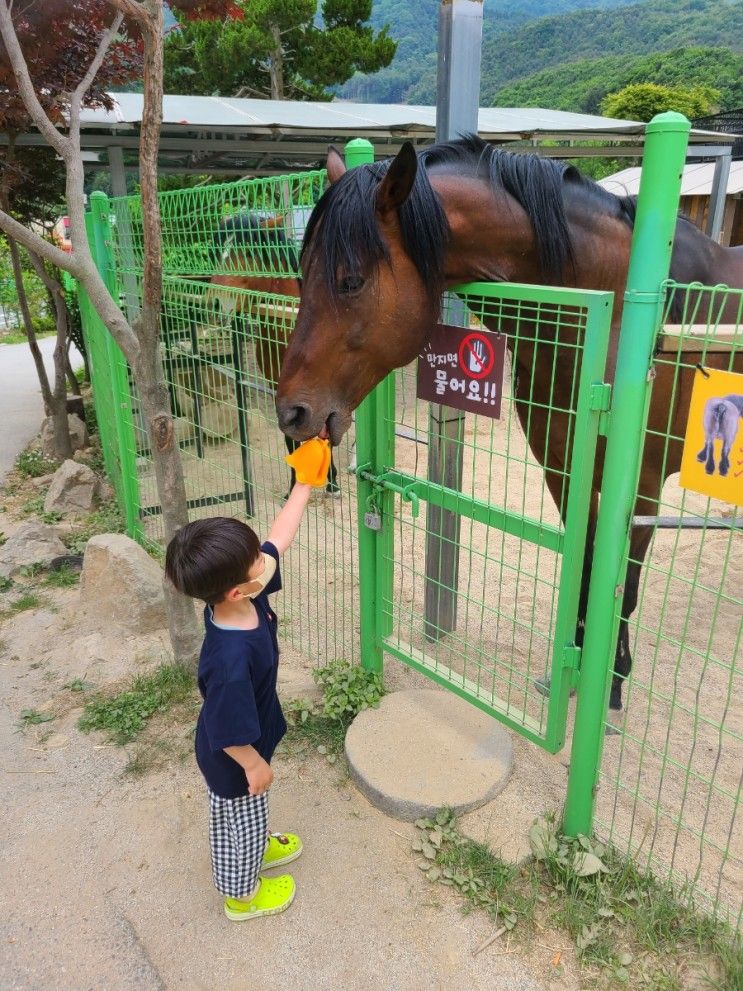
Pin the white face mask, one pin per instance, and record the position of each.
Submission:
(256, 586)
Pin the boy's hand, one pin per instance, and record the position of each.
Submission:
(257, 771)
(260, 777)
(311, 462)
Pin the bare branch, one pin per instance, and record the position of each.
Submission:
(25, 84)
(33, 242)
(103, 45)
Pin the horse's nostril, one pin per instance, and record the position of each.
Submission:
(291, 415)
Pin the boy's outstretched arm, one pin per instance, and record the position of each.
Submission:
(285, 526)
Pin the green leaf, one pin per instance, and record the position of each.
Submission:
(626, 958)
(434, 837)
(434, 874)
(587, 864)
(429, 852)
(417, 846)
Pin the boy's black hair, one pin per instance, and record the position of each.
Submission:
(206, 558)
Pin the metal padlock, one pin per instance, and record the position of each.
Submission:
(373, 519)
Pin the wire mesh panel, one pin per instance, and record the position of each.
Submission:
(521, 508)
(222, 228)
(221, 350)
(671, 780)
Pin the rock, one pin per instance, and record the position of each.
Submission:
(32, 543)
(106, 492)
(122, 585)
(73, 489)
(82, 455)
(75, 405)
(78, 435)
(42, 481)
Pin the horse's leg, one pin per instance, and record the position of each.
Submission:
(704, 453)
(332, 487)
(639, 543)
(710, 466)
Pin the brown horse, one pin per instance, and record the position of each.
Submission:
(252, 244)
(386, 239)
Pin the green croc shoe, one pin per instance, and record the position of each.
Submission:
(274, 895)
(282, 848)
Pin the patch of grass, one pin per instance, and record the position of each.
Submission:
(79, 685)
(33, 464)
(637, 930)
(29, 600)
(107, 519)
(154, 754)
(3, 538)
(347, 690)
(35, 507)
(6, 584)
(20, 336)
(63, 577)
(32, 717)
(124, 715)
(32, 570)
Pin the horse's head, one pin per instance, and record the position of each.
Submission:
(370, 264)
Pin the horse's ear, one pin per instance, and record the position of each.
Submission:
(395, 188)
(335, 165)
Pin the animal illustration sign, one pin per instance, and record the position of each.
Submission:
(712, 462)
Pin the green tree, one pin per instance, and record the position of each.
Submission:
(642, 101)
(277, 49)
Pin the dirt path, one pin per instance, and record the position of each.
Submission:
(107, 879)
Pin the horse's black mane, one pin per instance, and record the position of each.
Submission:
(344, 223)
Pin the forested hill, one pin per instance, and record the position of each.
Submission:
(414, 25)
(657, 25)
(515, 46)
(581, 86)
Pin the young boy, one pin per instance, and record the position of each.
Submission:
(221, 561)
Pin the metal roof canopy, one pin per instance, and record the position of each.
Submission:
(225, 136)
(231, 136)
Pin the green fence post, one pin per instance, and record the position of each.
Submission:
(650, 259)
(374, 452)
(121, 399)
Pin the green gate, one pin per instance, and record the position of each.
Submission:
(471, 552)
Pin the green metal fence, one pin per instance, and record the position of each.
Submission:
(473, 574)
(515, 571)
(670, 782)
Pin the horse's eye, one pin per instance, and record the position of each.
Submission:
(350, 285)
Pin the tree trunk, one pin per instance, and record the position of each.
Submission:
(185, 635)
(58, 396)
(28, 326)
(276, 66)
(71, 377)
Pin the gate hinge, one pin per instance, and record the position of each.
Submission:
(600, 400)
(571, 656)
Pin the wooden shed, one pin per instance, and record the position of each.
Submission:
(696, 187)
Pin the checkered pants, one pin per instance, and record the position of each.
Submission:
(238, 830)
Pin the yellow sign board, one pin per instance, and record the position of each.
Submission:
(712, 462)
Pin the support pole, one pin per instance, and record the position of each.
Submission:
(375, 442)
(718, 194)
(457, 111)
(124, 232)
(650, 260)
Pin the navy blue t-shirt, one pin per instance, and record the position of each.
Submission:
(237, 680)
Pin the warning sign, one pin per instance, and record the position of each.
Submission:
(463, 369)
(712, 462)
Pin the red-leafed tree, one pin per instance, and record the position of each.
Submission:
(57, 56)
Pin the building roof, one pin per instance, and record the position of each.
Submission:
(695, 181)
(212, 134)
